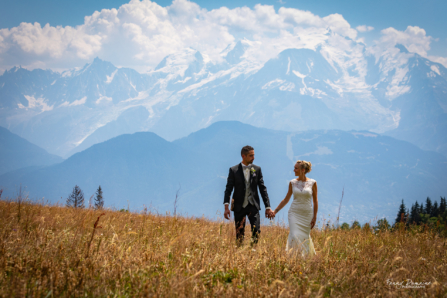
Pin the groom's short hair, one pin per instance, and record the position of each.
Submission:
(246, 149)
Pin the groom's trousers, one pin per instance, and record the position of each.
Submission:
(255, 221)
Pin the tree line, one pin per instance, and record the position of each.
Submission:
(432, 215)
(76, 198)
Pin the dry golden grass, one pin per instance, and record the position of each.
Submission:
(44, 252)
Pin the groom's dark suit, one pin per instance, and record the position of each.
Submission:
(236, 180)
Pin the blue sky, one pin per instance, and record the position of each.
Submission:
(380, 14)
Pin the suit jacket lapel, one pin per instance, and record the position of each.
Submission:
(241, 171)
(251, 175)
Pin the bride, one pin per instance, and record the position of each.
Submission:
(302, 216)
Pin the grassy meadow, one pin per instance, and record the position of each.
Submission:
(51, 251)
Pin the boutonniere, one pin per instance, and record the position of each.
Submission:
(253, 171)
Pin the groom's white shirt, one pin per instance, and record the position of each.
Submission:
(247, 176)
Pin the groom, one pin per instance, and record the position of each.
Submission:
(246, 178)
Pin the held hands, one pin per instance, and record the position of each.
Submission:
(269, 213)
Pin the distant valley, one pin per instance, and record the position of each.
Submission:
(140, 169)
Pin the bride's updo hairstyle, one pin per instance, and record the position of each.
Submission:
(307, 165)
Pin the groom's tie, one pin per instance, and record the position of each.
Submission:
(246, 169)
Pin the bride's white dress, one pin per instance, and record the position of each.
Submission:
(300, 216)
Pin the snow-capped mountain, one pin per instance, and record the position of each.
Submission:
(421, 102)
(397, 93)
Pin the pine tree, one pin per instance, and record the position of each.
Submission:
(443, 209)
(407, 217)
(435, 210)
(417, 217)
(99, 200)
(76, 198)
(428, 206)
(421, 209)
(413, 215)
(442, 206)
(401, 214)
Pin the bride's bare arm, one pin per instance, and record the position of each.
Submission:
(286, 199)
(315, 197)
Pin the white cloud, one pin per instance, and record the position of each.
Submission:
(140, 34)
(79, 101)
(52, 41)
(335, 22)
(441, 60)
(364, 28)
(413, 38)
(102, 98)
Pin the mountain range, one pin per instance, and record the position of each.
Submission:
(17, 153)
(372, 122)
(375, 171)
(399, 94)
